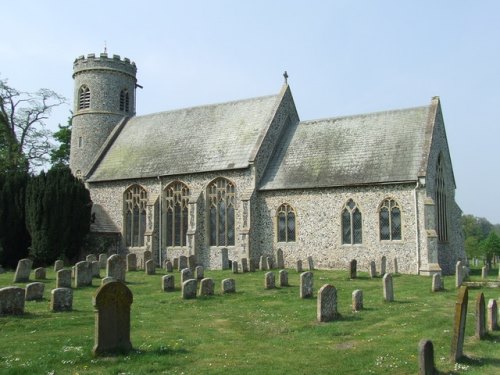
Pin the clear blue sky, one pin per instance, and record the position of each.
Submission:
(343, 57)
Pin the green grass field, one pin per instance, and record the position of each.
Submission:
(253, 331)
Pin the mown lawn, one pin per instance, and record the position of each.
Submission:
(254, 331)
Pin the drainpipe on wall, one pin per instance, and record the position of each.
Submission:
(159, 223)
(417, 231)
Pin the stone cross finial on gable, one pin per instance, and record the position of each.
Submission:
(285, 75)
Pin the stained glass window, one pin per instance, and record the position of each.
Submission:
(352, 224)
(135, 216)
(221, 200)
(390, 220)
(175, 214)
(441, 209)
(286, 223)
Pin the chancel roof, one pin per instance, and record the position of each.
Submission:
(374, 148)
(199, 139)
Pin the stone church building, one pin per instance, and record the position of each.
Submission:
(249, 176)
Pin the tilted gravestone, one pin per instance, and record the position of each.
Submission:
(492, 315)
(23, 271)
(353, 264)
(306, 285)
(298, 267)
(186, 274)
(168, 283)
(263, 263)
(112, 302)
(34, 291)
(206, 287)
(228, 286)
(83, 274)
(61, 299)
(12, 300)
(131, 262)
(383, 266)
(103, 261)
(426, 358)
(234, 266)
(96, 269)
(169, 267)
(150, 267)
(269, 280)
(40, 273)
(199, 272)
(388, 287)
(373, 269)
(457, 342)
(116, 267)
(327, 303)
(459, 274)
(480, 317)
(189, 288)
(310, 263)
(244, 265)
(58, 265)
(280, 263)
(63, 279)
(283, 278)
(437, 283)
(147, 255)
(357, 300)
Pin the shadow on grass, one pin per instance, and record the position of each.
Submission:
(479, 362)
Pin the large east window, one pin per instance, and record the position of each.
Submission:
(286, 223)
(175, 214)
(352, 224)
(135, 215)
(221, 202)
(390, 220)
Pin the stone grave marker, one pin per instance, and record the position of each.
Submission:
(12, 300)
(459, 274)
(34, 291)
(280, 262)
(310, 263)
(103, 261)
(150, 267)
(388, 287)
(206, 287)
(112, 302)
(383, 266)
(176, 264)
(83, 274)
(484, 272)
(283, 278)
(395, 265)
(199, 272)
(244, 265)
(191, 262)
(263, 263)
(58, 265)
(492, 315)
(189, 288)
(116, 267)
(107, 279)
(234, 266)
(40, 273)
(357, 300)
(131, 262)
(63, 279)
(373, 269)
(169, 267)
(61, 299)
(186, 274)
(23, 271)
(298, 267)
(251, 265)
(353, 264)
(269, 280)
(426, 358)
(228, 286)
(457, 342)
(327, 304)
(480, 317)
(147, 255)
(224, 258)
(168, 283)
(96, 269)
(437, 283)
(270, 263)
(306, 284)
(91, 258)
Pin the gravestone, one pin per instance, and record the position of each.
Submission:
(206, 287)
(373, 269)
(61, 299)
(298, 267)
(484, 272)
(310, 263)
(234, 266)
(269, 263)
(383, 266)
(167, 283)
(457, 342)
(147, 255)
(269, 280)
(112, 318)
(91, 258)
(388, 288)
(116, 267)
(357, 300)
(131, 262)
(244, 265)
(459, 274)
(283, 278)
(106, 280)
(40, 273)
(96, 269)
(189, 288)
(396, 269)
(263, 263)
(426, 358)
(23, 271)
(353, 269)
(199, 272)
(63, 279)
(34, 291)
(191, 262)
(103, 261)
(149, 267)
(228, 286)
(480, 317)
(251, 265)
(58, 265)
(327, 304)
(280, 262)
(176, 264)
(437, 282)
(306, 284)
(83, 274)
(492, 315)
(12, 300)
(186, 274)
(224, 258)
(169, 267)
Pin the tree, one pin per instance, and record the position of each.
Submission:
(25, 141)
(490, 246)
(59, 157)
(476, 229)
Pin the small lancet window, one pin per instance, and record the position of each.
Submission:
(352, 224)
(286, 223)
(441, 203)
(124, 100)
(135, 215)
(390, 220)
(221, 203)
(84, 97)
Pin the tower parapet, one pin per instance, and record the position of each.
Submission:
(91, 61)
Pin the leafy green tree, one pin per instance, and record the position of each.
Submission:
(490, 246)
(59, 157)
(476, 229)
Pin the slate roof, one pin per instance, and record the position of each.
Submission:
(372, 148)
(199, 139)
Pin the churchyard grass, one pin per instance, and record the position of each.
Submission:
(254, 331)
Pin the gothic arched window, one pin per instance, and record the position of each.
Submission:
(84, 97)
(175, 214)
(124, 100)
(390, 220)
(441, 209)
(135, 215)
(221, 202)
(286, 223)
(352, 224)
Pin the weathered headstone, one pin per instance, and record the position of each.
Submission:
(251, 265)
(12, 300)
(224, 253)
(176, 264)
(169, 267)
(269, 280)
(191, 262)
(357, 300)
(116, 267)
(263, 263)
(147, 255)
(183, 263)
(244, 265)
(426, 358)
(383, 266)
(61, 299)
(480, 317)
(34, 291)
(457, 342)
(373, 269)
(58, 265)
(107, 279)
(96, 269)
(270, 263)
(150, 267)
(459, 274)
(280, 262)
(492, 315)
(63, 279)
(83, 274)
(112, 318)
(186, 274)
(103, 261)
(327, 304)
(199, 272)
(298, 267)
(228, 286)
(189, 288)
(388, 287)
(234, 266)
(353, 269)
(131, 262)
(437, 282)
(23, 271)
(91, 258)
(206, 287)
(310, 263)
(40, 273)
(396, 269)
(306, 284)
(168, 283)
(283, 278)
(484, 272)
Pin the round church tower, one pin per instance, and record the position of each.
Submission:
(104, 95)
